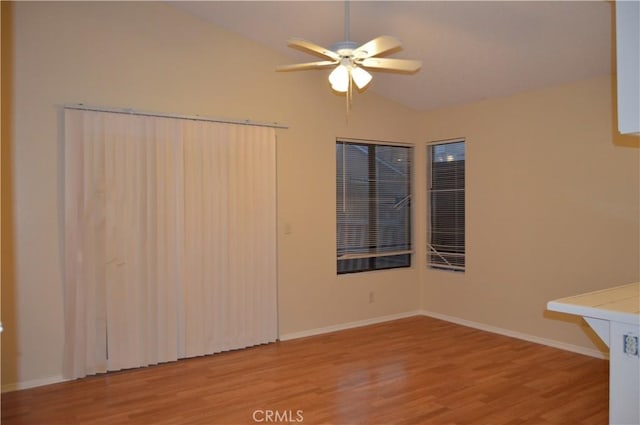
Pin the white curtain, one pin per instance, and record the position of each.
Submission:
(170, 239)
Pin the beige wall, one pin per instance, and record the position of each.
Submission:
(553, 208)
(152, 57)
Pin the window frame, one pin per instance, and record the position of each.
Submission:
(372, 258)
(429, 211)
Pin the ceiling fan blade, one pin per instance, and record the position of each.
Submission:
(313, 48)
(404, 65)
(378, 45)
(307, 65)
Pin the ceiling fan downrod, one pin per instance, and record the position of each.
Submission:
(345, 47)
(346, 20)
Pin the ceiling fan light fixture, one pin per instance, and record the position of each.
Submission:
(361, 77)
(339, 79)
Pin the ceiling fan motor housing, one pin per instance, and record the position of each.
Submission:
(344, 48)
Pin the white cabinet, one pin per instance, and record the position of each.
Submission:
(628, 64)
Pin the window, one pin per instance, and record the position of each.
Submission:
(373, 206)
(446, 220)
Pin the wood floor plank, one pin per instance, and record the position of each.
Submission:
(411, 371)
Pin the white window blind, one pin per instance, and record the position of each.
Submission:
(373, 206)
(170, 239)
(446, 197)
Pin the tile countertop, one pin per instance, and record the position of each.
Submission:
(619, 304)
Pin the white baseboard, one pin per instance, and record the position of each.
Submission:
(592, 352)
(343, 326)
(349, 325)
(32, 383)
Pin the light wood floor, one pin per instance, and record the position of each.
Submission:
(410, 371)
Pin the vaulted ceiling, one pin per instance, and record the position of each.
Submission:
(471, 50)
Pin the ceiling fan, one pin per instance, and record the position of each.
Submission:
(351, 60)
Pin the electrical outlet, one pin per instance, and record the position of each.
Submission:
(630, 344)
(372, 297)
